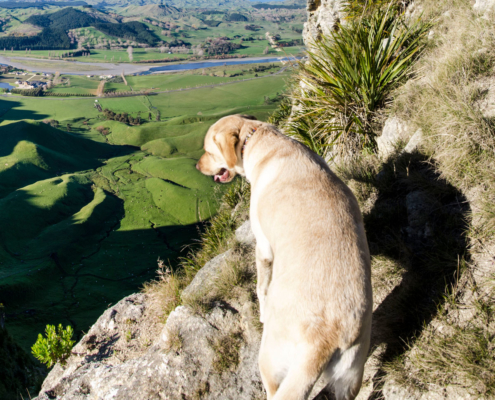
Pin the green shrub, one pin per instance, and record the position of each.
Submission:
(56, 347)
(350, 75)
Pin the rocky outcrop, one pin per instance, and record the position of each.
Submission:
(128, 354)
(323, 15)
(484, 5)
(396, 131)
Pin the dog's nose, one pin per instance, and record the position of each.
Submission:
(197, 166)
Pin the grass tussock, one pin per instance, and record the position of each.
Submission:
(233, 281)
(238, 272)
(227, 349)
(217, 238)
(455, 351)
(174, 341)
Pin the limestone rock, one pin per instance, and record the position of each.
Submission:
(393, 131)
(484, 5)
(186, 358)
(245, 235)
(323, 15)
(414, 142)
(205, 275)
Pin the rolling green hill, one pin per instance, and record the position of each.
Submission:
(85, 215)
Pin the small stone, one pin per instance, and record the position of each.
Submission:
(394, 130)
(414, 141)
(245, 235)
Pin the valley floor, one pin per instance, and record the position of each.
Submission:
(91, 203)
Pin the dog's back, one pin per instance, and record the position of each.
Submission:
(319, 302)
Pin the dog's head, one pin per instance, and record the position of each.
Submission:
(223, 146)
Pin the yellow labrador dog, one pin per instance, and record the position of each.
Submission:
(312, 258)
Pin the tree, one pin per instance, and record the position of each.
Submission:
(129, 52)
(56, 347)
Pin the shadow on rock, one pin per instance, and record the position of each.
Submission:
(417, 225)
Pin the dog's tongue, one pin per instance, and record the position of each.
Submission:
(222, 176)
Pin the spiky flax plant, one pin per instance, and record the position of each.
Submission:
(349, 76)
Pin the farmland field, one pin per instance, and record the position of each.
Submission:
(90, 204)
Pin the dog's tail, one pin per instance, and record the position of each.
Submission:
(345, 370)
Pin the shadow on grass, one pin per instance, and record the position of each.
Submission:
(418, 225)
(38, 151)
(69, 272)
(10, 105)
(419, 222)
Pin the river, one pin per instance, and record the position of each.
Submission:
(130, 69)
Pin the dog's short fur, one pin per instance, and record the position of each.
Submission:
(312, 257)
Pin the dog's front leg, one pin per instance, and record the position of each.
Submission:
(264, 261)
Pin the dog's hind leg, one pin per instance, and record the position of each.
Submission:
(345, 371)
(289, 370)
(264, 261)
(300, 379)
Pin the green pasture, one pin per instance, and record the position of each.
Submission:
(190, 79)
(79, 84)
(87, 215)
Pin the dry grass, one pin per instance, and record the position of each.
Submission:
(445, 102)
(235, 281)
(226, 350)
(456, 349)
(237, 273)
(218, 237)
(165, 291)
(174, 341)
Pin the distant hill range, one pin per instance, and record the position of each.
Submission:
(160, 7)
(124, 3)
(150, 11)
(41, 4)
(55, 27)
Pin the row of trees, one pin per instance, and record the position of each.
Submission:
(28, 92)
(54, 94)
(123, 117)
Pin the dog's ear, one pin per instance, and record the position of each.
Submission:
(251, 117)
(226, 143)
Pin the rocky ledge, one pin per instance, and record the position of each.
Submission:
(129, 354)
